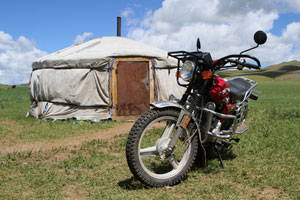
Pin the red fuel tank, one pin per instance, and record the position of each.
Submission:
(220, 91)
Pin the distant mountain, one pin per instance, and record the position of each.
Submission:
(284, 71)
(9, 86)
(25, 84)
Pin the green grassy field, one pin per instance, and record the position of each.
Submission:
(264, 165)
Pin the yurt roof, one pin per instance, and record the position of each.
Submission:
(96, 52)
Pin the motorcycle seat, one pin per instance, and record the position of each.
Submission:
(238, 88)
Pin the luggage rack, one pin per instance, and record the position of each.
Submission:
(249, 91)
(182, 55)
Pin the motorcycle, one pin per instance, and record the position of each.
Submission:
(163, 143)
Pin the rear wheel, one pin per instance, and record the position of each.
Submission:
(146, 146)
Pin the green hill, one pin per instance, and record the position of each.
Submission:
(3, 85)
(286, 71)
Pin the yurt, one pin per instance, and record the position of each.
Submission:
(103, 78)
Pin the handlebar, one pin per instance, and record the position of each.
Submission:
(220, 63)
(245, 64)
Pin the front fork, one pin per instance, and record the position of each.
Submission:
(184, 119)
(183, 124)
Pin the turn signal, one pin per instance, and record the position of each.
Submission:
(207, 74)
(186, 121)
(178, 73)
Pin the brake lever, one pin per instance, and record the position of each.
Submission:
(240, 65)
(236, 63)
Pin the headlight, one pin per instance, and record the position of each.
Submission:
(187, 69)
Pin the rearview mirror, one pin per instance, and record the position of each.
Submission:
(260, 37)
(198, 44)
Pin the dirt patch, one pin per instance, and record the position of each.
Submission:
(60, 156)
(73, 192)
(272, 193)
(107, 134)
(8, 123)
(247, 192)
(15, 129)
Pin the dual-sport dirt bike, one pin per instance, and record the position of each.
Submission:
(163, 143)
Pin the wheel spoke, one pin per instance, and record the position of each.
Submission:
(149, 151)
(174, 162)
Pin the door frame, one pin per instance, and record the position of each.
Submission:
(113, 82)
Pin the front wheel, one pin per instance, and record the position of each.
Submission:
(147, 143)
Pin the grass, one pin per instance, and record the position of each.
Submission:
(14, 104)
(264, 165)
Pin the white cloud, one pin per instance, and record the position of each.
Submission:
(289, 5)
(16, 57)
(283, 48)
(81, 38)
(224, 27)
(127, 12)
(129, 16)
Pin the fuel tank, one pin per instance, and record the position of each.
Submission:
(220, 91)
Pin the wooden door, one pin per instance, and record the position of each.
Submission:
(133, 94)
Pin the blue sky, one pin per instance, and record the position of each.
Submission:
(283, 20)
(54, 24)
(33, 28)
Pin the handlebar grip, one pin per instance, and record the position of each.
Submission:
(245, 64)
(249, 65)
(228, 59)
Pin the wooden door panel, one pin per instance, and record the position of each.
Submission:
(133, 95)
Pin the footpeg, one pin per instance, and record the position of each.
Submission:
(241, 129)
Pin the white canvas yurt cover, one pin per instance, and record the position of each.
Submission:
(100, 79)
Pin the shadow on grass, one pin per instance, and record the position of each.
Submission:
(281, 71)
(270, 74)
(211, 158)
(132, 184)
(226, 153)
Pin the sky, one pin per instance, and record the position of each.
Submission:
(33, 28)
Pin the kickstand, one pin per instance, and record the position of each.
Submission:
(218, 149)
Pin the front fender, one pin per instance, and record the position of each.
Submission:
(166, 104)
